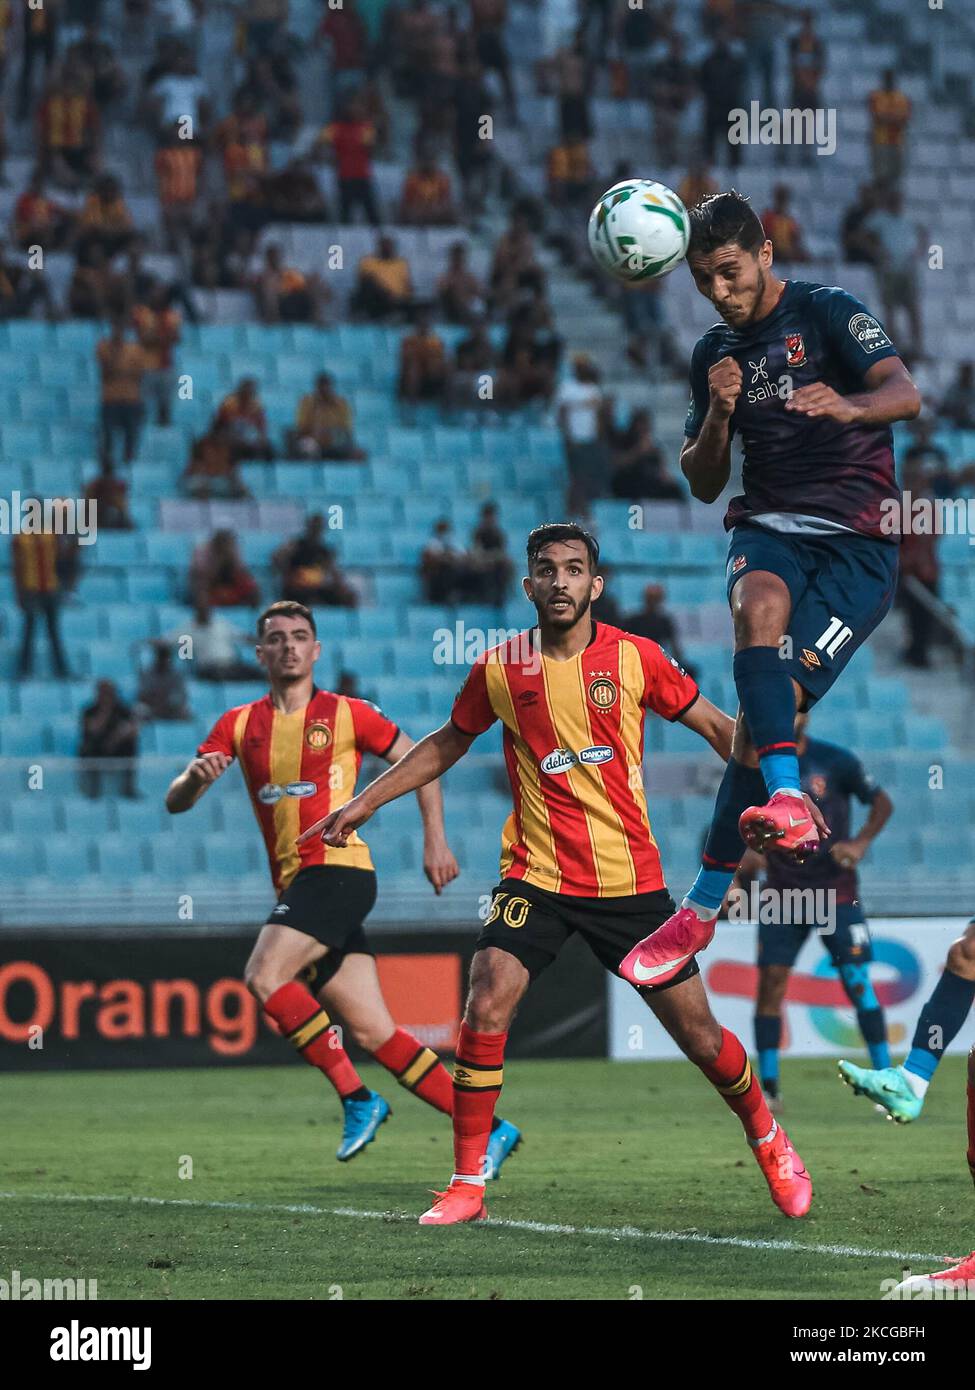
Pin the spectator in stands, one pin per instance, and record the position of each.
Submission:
(925, 455)
(573, 84)
(212, 643)
(242, 414)
(69, 129)
(782, 228)
(655, 623)
(855, 238)
(583, 412)
(39, 41)
(696, 184)
(473, 376)
(122, 364)
(178, 103)
(890, 116)
(348, 685)
(218, 575)
(346, 38)
(919, 566)
(271, 80)
(529, 357)
(444, 567)
(242, 137)
(721, 78)
(109, 494)
(212, 471)
(427, 199)
(472, 148)
(487, 27)
(672, 89)
(292, 194)
(639, 469)
(38, 220)
(285, 294)
(491, 567)
(22, 288)
(515, 270)
(178, 165)
(411, 32)
(422, 363)
(570, 173)
(39, 595)
(309, 571)
(461, 295)
(94, 58)
(323, 427)
(898, 244)
(636, 29)
(108, 730)
(264, 21)
(105, 220)
(649, 337)
(807, 63)
(351, 139)
(758, 23)
(158, 328)
(385, 287)
(958, 403)
(95, 291)
(162, 689)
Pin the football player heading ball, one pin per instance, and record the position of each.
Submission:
(811, 382)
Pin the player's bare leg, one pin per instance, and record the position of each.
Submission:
(498, 983)
(281, 954)
(355, 994)
(686, 1014)
(773, 981)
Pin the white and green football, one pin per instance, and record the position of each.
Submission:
(639, 230)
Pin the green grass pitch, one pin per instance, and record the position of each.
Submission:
(634, 1181)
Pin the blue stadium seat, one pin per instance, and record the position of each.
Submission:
(35, 815)
(19, 859)
(231, 855)
(155, 585)
(173, 859)
(365, 657)
(118, 858)
(67, 859)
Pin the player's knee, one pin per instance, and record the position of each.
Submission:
(761, 620)
(702, 1044)
(961, 956)
(369, 1035)
(488, 1010)
(260, 981)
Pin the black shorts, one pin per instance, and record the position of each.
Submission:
(533, 925)
(329, 902)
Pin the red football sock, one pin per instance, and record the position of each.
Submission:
(731, 1073)
(306, 1025)
(418, 1068)
(478, 1077)
(971, 1128)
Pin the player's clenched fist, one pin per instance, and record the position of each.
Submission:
(724, 384)
(208, 767)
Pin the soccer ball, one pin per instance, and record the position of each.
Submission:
(639, 230)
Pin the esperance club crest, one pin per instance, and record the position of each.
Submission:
(603, 692)
(318, 736)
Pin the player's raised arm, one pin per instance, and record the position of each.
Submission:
(439, 863)
(890, 394)
(712, 724)
(186, 789)
(705, 457)
(425, 762)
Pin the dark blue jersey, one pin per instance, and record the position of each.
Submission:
(831, 776)
(811, 467)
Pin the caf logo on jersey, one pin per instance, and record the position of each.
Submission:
(795, 350)
(318, 736)
(603, 692)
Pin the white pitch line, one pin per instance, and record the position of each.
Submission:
(536, 1227)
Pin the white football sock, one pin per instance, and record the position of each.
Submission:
(706, 914)
(917, 1083)
(466, 1177)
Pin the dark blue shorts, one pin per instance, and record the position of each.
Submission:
(849, 944)
(841, 586)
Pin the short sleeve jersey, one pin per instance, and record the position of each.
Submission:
(813, 466)
(300, 766)
(573, 746)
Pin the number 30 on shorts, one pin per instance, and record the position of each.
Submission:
(513, 912)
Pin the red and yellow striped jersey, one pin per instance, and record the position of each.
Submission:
(297, 767)
(573, 744)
